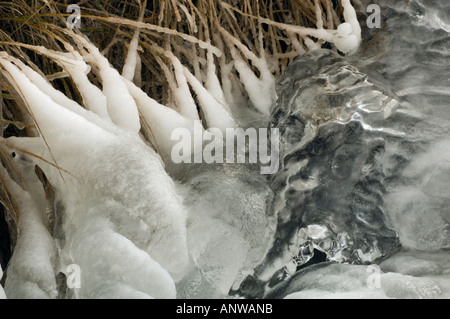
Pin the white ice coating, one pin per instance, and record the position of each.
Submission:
(128, 226)
(216, 114)
(126, 209)
(31, 269)
(348, 36)
(35, 256)
(121, 106)
(114, 194)
(407, 275)
(131, 61)
(411, 208)
(161, 120)
(2, 292)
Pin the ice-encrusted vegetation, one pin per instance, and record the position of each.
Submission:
(87, 176)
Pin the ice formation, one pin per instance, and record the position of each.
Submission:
(2, 292)
(100, 168)
(364, 166)
(95, 202)
(364, 154)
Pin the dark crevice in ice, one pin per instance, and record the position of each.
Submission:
(5, 241)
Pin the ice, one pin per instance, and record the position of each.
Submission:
(132, 60)
(121, 106)
(139, 218)
(219, 252)
(331, 172)
(351, 42)
(358, 209)
(161, 119)
(408, 287)
(228, 233)
(180, 89)
(31, 268)
(340, 281)
(422, 227)
(2, 292)
(260, 90)
(106, 278)
(364, 147)
(114, 196)
(216, 114)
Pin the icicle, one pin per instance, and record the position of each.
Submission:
(261, 91)
(225, 72)
(319, 19)
(161, 119)
(93, 98)
(121, 106)
(73, 63)
(216, 115)
(131, 61)
(351, 17)
(182, 94)
(63, 100)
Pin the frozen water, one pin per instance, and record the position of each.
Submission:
(2, 292)
(364, 151)
(228, 232)
(338, 281)
(125, 208)
(406, 275)
(114, 196)
(331, 172)
(364, 171)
